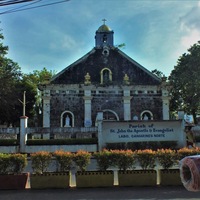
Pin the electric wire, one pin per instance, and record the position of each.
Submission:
(20, 7)
(25, 7)
(7, 3)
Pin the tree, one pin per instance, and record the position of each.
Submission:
(34, 79)
(12, 87)
(158, 73)
(185, 81)
(10, 76)
(120, 46)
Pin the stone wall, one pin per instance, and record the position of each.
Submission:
(102, 98)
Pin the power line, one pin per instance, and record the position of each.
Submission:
(7, 3)
(21, 8)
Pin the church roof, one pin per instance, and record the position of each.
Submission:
(105, 56)
(117, 61)
(104, 28)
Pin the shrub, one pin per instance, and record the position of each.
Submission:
(197, 138)
(183, 152)
(9, 142)
(103, 159)
(113, 146)
(71, 141)
(166, 157)
(123, 159)
(4, 163)
(12, 163)
(154, 145)
(168, 144)
(146, 158)
(18, 163)
(82, 159)
(41, 161)
(64, 160)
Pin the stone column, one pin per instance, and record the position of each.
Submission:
(99, 125)
(88, 113)
(127, 104)
(23, 135)
(165, 104)
(165, 98)
(46, 108)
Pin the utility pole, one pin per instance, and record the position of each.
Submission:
(24, 103)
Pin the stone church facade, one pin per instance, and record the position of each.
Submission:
(107, 80)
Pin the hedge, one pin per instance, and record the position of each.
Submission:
(154, 145)
(71, 141)
(9, 142)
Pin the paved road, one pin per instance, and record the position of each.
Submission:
(114, 193)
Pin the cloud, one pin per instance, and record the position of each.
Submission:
(155, 32)
(190, 26)
(192, 37)
(191, 19)
(62, 42)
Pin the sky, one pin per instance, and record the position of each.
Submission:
(155, 32)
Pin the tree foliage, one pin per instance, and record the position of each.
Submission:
(34, 79)
(158, 73)
(13, 83)
(10, 76)
(185, 80)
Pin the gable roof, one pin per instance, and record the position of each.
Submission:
(138, 65)
(72, 65)
(116, 60)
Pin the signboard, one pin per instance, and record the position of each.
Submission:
(114, 132)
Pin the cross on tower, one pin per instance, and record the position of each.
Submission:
(104, 21)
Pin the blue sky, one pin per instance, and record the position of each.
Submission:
(156, 33)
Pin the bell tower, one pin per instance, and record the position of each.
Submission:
(104, 36)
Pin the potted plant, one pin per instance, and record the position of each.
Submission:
(11, 171)
(98, 178)
(63, 160)
(82, 159)
(103, 177)
(124, 160)
(103, 159)
(42, 177)
(146, 176)
(167, 158)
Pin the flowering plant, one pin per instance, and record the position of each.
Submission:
(123, 159)
(166, 157)
(64, 160)
(82, 159)
(41, 161)
(103, 159)
(146, 158)
(183, 152)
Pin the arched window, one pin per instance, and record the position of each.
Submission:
(146, 115)
(106, 76)
(67, 119)
(110, 115)
(104, 38)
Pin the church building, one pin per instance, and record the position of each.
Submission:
(107, 80)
